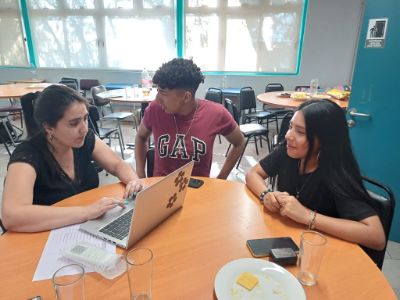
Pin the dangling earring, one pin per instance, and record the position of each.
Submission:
(51, 137)
(318, 155)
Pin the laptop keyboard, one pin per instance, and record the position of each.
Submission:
(119, 228)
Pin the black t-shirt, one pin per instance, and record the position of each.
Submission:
(52, 183)
(313, 193)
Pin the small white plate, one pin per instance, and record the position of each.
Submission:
(274, 281)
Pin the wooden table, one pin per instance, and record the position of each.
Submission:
(273, 99)
(192, 245)
(17, 90)
(128, 95)
(32, 80)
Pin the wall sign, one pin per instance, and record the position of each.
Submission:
(376, 33)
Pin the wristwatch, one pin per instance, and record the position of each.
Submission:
(262, 195)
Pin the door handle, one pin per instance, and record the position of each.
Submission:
(353, 115)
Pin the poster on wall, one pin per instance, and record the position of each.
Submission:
(376, 33)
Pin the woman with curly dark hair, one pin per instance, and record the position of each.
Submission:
(318, 179)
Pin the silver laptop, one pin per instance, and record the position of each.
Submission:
(125, 226)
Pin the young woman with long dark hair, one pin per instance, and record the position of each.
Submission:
(318, 179)
(56, 163)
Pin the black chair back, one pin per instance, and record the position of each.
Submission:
(150, 162)
(384, 204)
(247, 98)
(301, 88)
(214, 94)
(98, 101)
(94, 117)
(87, 84)
(231, 107)
(274, 87)
(70, 82)
(27, 102)
(285, 123)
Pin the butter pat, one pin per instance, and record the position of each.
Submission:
(247, 280)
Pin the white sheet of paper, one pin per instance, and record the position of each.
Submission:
(60, 239)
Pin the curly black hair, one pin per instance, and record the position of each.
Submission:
(179, 73)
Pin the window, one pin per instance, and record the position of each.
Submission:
(236, 36)
(244, 35)
(103, 34)
(12, 42)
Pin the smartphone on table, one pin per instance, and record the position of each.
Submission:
(262, 247)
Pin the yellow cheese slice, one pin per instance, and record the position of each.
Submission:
(247, 280)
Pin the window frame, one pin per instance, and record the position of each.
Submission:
(180, 42)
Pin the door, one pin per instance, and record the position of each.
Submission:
(376, 92)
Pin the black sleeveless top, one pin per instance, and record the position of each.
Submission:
(52, 183)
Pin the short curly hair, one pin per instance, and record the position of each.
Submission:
(179, 73)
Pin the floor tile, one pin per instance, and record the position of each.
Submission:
(393, 248)
(391, 269)
(397, 291)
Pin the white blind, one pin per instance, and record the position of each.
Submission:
(220, 35)
(103, 34)
(12, 43)
(244, 35)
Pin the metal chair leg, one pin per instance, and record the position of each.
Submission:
(241, 155)
(121, 145)
(229, 147)
(121, 137)
(255, 142)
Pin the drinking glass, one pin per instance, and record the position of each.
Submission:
(314, 87)
(68, 282)
(312, 248)
(140, 272)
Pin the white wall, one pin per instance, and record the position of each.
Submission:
(330, 40)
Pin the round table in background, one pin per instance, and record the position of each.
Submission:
(17, 90)
(274, 99)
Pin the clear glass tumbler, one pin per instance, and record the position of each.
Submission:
(140, 273)
(314, 87)
(68, 282)
(312, 250)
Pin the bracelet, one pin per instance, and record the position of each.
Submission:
(262, 194)
(311, 226)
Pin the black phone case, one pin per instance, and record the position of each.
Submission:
(262, 247)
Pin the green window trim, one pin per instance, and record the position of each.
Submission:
(180, 42)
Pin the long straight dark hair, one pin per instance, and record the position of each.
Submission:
(337, 165)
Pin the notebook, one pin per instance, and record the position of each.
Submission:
(125, 226)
